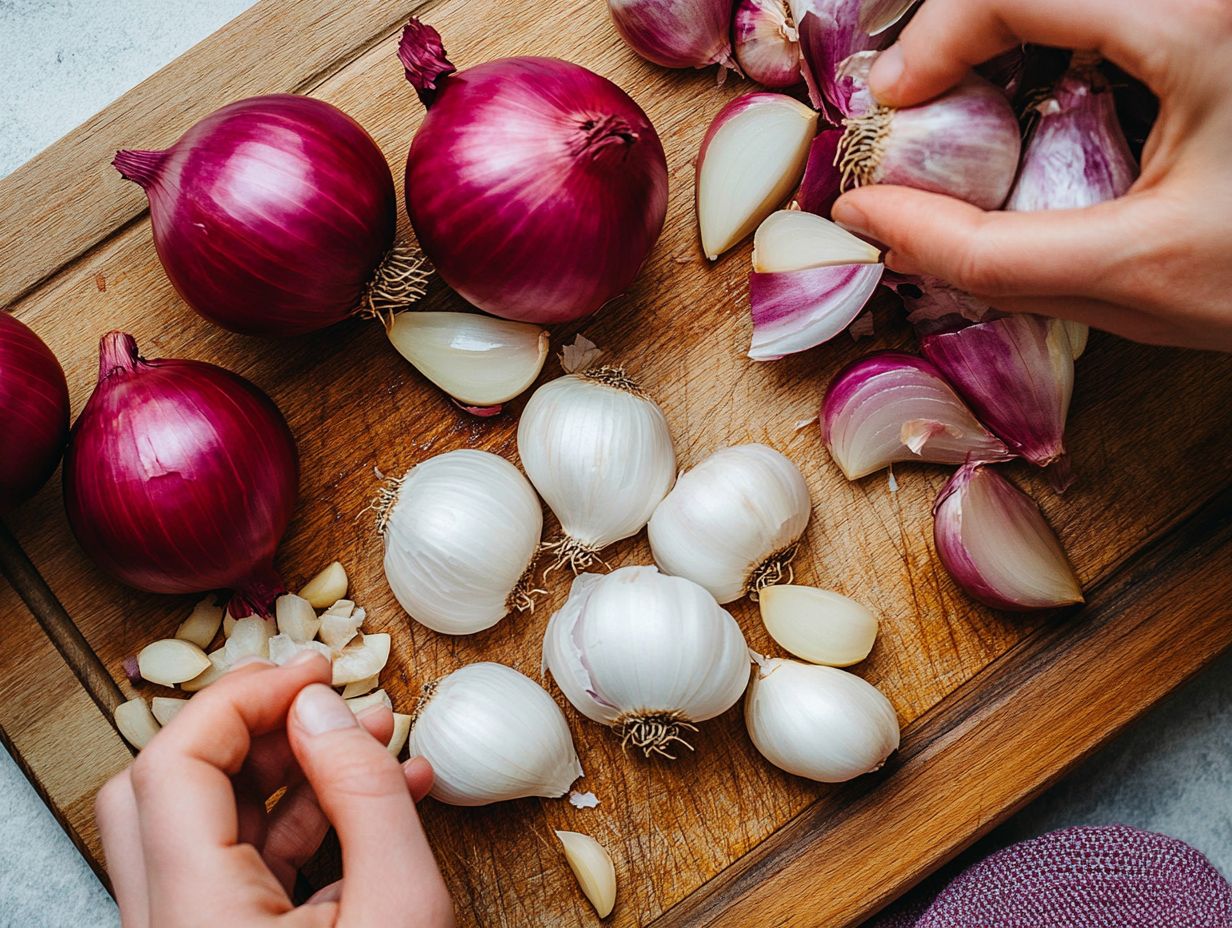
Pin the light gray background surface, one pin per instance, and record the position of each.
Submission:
(61, 61)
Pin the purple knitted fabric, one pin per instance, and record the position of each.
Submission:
(1113, 877)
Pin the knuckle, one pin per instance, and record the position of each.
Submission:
(980, 269)
(363, 775)
(146, 770)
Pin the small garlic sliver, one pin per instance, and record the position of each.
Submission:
(327, 587)
(818, 625)
(792, 240)
(296, 617)
(360, 687)
(249, 638)
(219, 665)
(171, 661)
(593, 867)
(165, 708)
(361, 659)
(476, 359)
(136, 722)
(202, 623)
(402, 731)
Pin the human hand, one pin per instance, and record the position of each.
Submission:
(188, 840)
(1154, 265)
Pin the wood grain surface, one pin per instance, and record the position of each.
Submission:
(988, 699)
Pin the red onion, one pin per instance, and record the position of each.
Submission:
(180, 477)
(537, 188)
(276, 216)
(890, 407)
(995, 543)
(33, 412)
(677, 33)
(1017, 373)
(767, 43)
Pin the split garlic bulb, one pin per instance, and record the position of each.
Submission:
(819, 722)
(732, 522)
(461, 532)
(493, 734)
(646, 654)
(599, 452)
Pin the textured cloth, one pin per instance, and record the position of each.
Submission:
(1113, 877)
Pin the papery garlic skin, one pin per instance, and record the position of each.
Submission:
(751, 159)
(794, 311)
(830, 34)
(890, 407)
(478, 360)
(646, 654)
(600, 454)
(732, 523)
(996, 544)
(493, 734)
(819, 722)
(767, 44)
(676, 33)
(934, 306)
(820, 626)
(461, 532)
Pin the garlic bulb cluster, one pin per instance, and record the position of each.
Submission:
(731, 524)
(461, 532)
(819, 722)
(599, 452)
(646, 654)
(492, 734)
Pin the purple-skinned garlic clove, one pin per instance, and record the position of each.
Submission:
(823, 181)
(677, 33)
(797, 310)
(876, 16)
(830, 33)
(766, 43)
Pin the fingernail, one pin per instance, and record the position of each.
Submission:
(887, 71)
(319, 710)
(901, 264)
(252, 659)
(850, 217)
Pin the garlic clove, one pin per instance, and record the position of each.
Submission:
(283, 649)
(830, 35)
(793, 240)
(478, 360)
(751, 159)
(249, 638)
(296, 618)
(817, 625)
(337, 631)
(797, 310)
(996, 544)
(360, 687)
(327, 587)
(593, 867)
(876, 16)
(342, 607)
(218, 665)
(823, 181)
(361, 659)
(402, 731)
(202, 623)
(165, 708)
(819, 722)
(891, 406)
(379, 698)
(135, 722)
(766, 43)
(1078, 334)
(171, 661)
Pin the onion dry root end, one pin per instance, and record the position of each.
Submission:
(421, 701)
(863, 146)
(773, 570)
(578, 556)
(386, 497)
(615, 377)
(653, 733)
(522, 597)
(400, 280)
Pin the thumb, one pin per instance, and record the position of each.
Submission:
(391, 875)
(1059, 252)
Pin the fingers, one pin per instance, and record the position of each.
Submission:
(392, 878)
(419, 776)
(949, 37)
(115, 809)
(1109, 317)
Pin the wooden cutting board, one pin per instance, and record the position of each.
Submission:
(995, 707)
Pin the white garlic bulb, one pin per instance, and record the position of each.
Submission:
(819, 722)
(646, 654)
(599, 452)
(732, 523)
(493, 734)
(461, 532)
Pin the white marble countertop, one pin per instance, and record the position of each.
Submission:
(61, 61)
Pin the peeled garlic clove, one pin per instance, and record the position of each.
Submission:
(599, 452)
(202, 623)
(593, 867)
(819, 722)
(793, 240)
(476, 359)
(402, 731)
(797, 310)
(358, 660)
(997, 546)
(342, 607)
(360, 687)
(165, 708)
(461, 534)
(492, 734)
(823, 181)
(218, 665)
(646, 654)
(731, 524)
(751, 159)
(171, 661)
(327, 587)
(766, 43)
(1017, 373)
(296, 617)
(891, 406)
(283, 649)
(337, 631)
(249, 638)
(820, 626)
(379, 698)
(135, 722)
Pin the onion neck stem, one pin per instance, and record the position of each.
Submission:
(257, 593)
(117, 354)
(141, 167)
(605, 139)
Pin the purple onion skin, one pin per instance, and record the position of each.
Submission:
(676, 33)
(33, 412)
(536, 187)
(823, 182)
(271, 214)
(181, 477)
(796, 310)
(1017, 378)
(934, 306)
(830, 33)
